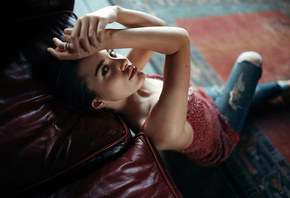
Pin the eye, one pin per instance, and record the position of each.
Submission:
(112, 53)
(105, 70)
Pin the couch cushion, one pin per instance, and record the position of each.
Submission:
(40, 139)
(138, 172)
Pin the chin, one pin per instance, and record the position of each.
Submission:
(142, 76)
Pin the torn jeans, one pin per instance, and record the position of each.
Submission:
(241, 92)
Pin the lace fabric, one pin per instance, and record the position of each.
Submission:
(214, 139)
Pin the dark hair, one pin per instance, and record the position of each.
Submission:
(64, 81)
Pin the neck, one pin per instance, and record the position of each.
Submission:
(135, 106)
(135, 109)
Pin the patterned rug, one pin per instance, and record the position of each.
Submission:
(219, 31)
(220, 39)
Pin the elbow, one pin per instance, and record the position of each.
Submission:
(180, 40)
(173, 140)
(180, 37)
(157, 22)
(184, 37)
(162, 23)
(183, 32)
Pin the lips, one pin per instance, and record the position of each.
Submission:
(132, 71)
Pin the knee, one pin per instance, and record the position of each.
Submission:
(252, 57)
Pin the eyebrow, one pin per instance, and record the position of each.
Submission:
(98, 66)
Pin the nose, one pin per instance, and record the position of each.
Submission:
(123, 63)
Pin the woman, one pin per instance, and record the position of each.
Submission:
(173, 115)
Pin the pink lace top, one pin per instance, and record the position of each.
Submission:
(214, 139)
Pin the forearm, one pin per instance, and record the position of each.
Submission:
(165, 40)
(132, 18)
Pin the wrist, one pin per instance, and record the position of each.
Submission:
(119, 12)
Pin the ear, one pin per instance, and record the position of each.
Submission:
(98, 104)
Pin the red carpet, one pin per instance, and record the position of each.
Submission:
(220, 39)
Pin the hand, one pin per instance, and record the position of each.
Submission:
(89, 29)
(65, 50)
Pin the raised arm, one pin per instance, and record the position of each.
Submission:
(133, 19)
(89, 30)
(166, 124)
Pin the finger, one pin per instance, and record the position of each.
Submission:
(67, 38)
(63, 46)
(62, 55)
(68, 31)
(58, 43)
(70, 48)
(92, 34)
(74, 37)
(101, 30)
(84, 36)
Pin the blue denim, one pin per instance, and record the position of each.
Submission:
(241, 92)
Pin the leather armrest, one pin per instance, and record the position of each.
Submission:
(138, 172)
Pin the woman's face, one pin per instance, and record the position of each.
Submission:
(112, 76)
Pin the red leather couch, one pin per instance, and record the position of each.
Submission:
(47, 150)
